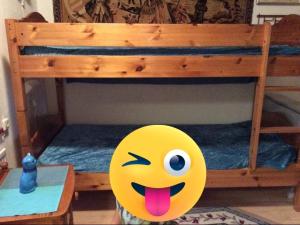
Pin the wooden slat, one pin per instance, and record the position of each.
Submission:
(177, 35)
(92, 181)
(259, 99)
(282, 88)
(284, 66)
(137, 66)
(280, 130)
(231, 178)
(261, 177)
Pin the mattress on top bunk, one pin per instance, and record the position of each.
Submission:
(90, 147)
(51, 50)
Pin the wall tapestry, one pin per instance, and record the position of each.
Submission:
(153, 11)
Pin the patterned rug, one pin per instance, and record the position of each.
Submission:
(219, 216)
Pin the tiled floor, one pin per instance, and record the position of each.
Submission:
(272, 204)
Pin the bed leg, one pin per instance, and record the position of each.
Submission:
(297, 198)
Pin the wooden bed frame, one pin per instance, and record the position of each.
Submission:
(35, 31)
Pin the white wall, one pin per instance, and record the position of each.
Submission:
(45, 7)
(170, 104)
(9, 9)
(274, 10)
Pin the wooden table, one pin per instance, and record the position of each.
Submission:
(64, 214)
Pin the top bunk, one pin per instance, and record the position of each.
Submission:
(72, 50)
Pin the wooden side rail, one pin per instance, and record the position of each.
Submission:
(283, 88)
(280, 130)
(231, 178)
(286, 32)
(259, 100)
(138, 35)
(284, 65)
(139, 66)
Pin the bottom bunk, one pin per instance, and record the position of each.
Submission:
(225, 147)
(90, 147)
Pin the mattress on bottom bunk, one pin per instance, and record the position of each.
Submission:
(90, 147)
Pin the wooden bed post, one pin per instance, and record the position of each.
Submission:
(18, 87)
(259, 99)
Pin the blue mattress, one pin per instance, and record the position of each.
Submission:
(50, 50)
(90, 147)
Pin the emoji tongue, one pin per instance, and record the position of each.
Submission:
(157, 200)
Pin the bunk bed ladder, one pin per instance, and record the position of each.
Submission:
(287, 130)
(257, 129)
(259, 99)
(258, 104)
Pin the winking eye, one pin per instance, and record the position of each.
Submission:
(139, 160)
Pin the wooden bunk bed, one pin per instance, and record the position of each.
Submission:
(35, 31)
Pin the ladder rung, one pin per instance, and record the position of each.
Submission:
(280, 130)
(282, 88)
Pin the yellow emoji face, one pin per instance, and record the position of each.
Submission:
(157, 173)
